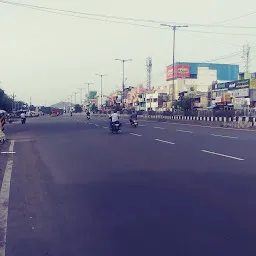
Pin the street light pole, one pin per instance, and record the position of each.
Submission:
(100, 87)
(174, 28)
(123, 62)
(88, 84)
(75, 93)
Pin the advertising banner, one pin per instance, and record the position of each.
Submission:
(219, 87)
(240, 93)
(180, 71)
(253, 95)
(252, 84)
(234, 85)
(227, 97)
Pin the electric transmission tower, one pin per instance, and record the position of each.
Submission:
(246, 57)
(149, 71)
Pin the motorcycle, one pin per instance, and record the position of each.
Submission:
(134, 123)
(115, 127)
(23, 120)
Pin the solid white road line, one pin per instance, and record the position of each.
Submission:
(159, 128)
(96, 125)
(164, 141)
(135, 134)
(224, 136)
(8, 152)
(105, 127)
(4, 201)
(184, 131)
(218, 154)
(142, 125)
(90, 123)
(202, 126)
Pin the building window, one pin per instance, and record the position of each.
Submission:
(155, 99)
(194, 76)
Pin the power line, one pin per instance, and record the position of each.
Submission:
(218, 33)
(76, 13)
(236, 18)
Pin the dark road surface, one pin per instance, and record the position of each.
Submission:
(159, 189)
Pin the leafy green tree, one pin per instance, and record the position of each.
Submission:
(46, 110)
(183, 103)
(94, 108)
(78, 108)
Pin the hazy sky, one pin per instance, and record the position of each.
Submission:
(48, 56)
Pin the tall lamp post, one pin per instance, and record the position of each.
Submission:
(101, 75)
(123, 62)
(81, 94)
(88, 87)
(174, 28)
(75, 93)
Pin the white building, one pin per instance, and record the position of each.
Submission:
(156, 101)
(198, 76)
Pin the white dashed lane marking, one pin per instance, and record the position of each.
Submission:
(224, 136)
(135, 134)
(184, 131)
(218, 154)
(164, 141)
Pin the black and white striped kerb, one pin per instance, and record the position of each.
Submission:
(2, 121)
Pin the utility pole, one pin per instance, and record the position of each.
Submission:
(88, 87)
(75, 93)
(71, 96)
(81, 95)
(123, 61)
(100, 87)
(13, 105)
(173, 27)
(149, 70)
(246, 57)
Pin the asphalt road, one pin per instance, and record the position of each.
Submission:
(159, 189)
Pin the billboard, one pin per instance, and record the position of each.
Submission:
(240, 93)
(234, 85)
(180, 71)
(92, 94)
(253, 84)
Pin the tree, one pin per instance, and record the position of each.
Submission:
(94, 108)
(78, 108)
(32, 108)
(183, 103)
(46, 110)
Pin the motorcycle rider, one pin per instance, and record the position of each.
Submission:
(133, 117)
(23, 116)
(114, 117)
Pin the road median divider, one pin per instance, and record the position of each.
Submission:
(239, 122)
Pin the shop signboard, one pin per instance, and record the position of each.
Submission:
(218, 99)
(253, 84)
(240, 93)
(253, 95)
(219, 87)
(227, 97)
(234, 85)
(180, 71)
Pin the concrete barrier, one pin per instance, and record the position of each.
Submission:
(234, 122)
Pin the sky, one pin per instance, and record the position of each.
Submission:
(47, 56)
